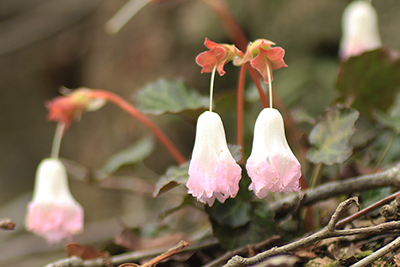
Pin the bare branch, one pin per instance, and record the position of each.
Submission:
(390, 177)
(379, 253)
(125, 257)
(243, 250)
(327, 232)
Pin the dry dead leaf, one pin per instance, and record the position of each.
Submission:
(132, 242)
(325, 261)
(128, 239)
(84, 252)
(396, 260)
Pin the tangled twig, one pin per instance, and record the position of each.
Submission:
(327, 232)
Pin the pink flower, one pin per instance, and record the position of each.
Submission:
(360, 30)
(53, 213)
(218, 56)
(213, 173)
(261, 54)
(68, 108)
(272, 165)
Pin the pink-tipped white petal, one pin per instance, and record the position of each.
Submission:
(272, 165)
(213, 173)
(360, 30)
(53, 213)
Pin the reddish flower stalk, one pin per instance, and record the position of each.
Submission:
(254, 76)
(131, 110)
(240, 108)
(229, 22)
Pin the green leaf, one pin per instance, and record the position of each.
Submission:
(174, 176)
(258, 222)
(133, 154)
(371, 79)
(231, 213)
(392, 120)
(331, 136)
(372, 196)
(169, 96)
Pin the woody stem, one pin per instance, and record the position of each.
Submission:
(134, 112)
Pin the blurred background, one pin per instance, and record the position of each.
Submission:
(46, 44)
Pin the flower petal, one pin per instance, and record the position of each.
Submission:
(213, 173)
(53, 213)
(272, 165)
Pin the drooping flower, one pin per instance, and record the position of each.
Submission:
(360, 30)
(53, 213)
(263, 57)
(213, 173)
(68, 108)
(217, 56)
(272, 165)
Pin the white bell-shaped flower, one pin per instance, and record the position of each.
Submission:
(272, 165)
(360, 30)
(213, 172)
(53, 213)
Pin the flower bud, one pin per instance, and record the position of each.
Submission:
(360, 30)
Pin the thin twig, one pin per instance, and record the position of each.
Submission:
(379, 253)
(162, 257)
(390, 177)
(327, 232)
(7, 224)
(126, 257)
(240, 251)
(368, 209)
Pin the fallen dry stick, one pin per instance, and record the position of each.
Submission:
(327, 232)
(160, 258)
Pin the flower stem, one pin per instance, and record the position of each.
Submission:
(385, 151)
(254, 76)
(269, 84)
(315, 175)
(134, 112)
(55, 149)
(240, 107)
(230, 24)
(238, 37)
(124, 15)
(212, 87)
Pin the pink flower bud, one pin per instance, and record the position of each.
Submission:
(272, 165)
(53, 213)
(360, 30)
(213, 173)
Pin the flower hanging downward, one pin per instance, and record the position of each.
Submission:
(263, 57)
(213, 173)
(360, 30)
(218, 55)
(68, 108)
(53, 213)
(272, 165)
